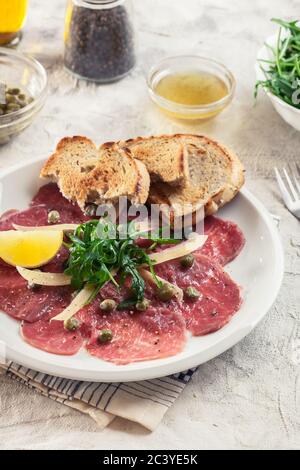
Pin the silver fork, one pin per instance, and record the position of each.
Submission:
(289, 185)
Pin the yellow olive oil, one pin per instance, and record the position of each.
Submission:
(192, 89)
(12, 17)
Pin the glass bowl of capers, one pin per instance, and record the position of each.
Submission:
(23, 90)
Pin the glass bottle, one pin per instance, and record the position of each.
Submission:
(99, 39)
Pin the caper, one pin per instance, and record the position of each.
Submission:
(166, 292)
(72, 324)
(53, 217)
(10, 99)
(14, 91)
(142, 305)
(105, 336)
(108, 305)
(22, 97)
(187, 261)
(13, 107)
(192, 293)
(22, 104)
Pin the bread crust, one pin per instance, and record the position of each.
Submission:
(191, 194)
(88, 175)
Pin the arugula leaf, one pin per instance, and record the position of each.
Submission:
(98, 248)
(283, 72)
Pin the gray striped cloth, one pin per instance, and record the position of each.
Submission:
(143, 402)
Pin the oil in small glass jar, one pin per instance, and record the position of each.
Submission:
(192, 89)
(12, 17)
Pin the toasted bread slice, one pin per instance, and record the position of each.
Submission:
(87, 175)
(164, 156)
(216, 175)
(116, 175)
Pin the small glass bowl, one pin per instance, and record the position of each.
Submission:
(26, 73)
(186, 64)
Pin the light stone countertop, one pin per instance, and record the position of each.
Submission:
(248, 397)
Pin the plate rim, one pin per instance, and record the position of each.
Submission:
(174, 366)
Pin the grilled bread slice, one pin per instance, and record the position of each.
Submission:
(215, 176)
(87, 175)
(164, 156)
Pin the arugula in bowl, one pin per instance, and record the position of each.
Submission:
(282, 70)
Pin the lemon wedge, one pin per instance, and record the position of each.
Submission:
(29, 249)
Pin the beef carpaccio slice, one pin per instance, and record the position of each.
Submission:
(219, 297)
(32, 217)
(52, 337)
(138, 336)
(225, 240)
(51, 198)
(30, 304)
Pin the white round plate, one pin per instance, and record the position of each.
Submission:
(258, 270)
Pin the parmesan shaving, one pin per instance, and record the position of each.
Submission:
(44, 279)
(194, 242)
(147, 276)
(60, 227)
(77, 303)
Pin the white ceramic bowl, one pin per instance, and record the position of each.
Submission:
(290, 114)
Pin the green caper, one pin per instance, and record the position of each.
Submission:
(22, 104)
(108, 305)
(105, 336)
(10, 99)
(22, 97)
(187, 261)
(166, 292)
(72, 324)
(192, 293)
(53, 217)
(13, 107)
(14, 91)
(142, 305)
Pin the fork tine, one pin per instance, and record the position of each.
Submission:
(295, 178)
(285, 194)
(291, 186)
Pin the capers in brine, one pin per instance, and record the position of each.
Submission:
(72, 324)
(142, 305)
(166, 292)
(192, 293)
(53, 217)
(108, 305)
(105, 336)
(187, 261)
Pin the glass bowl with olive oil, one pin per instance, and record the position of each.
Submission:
(191, 87)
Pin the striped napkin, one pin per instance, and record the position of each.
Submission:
(143, 402)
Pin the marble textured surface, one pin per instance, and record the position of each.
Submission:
(248, 397)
